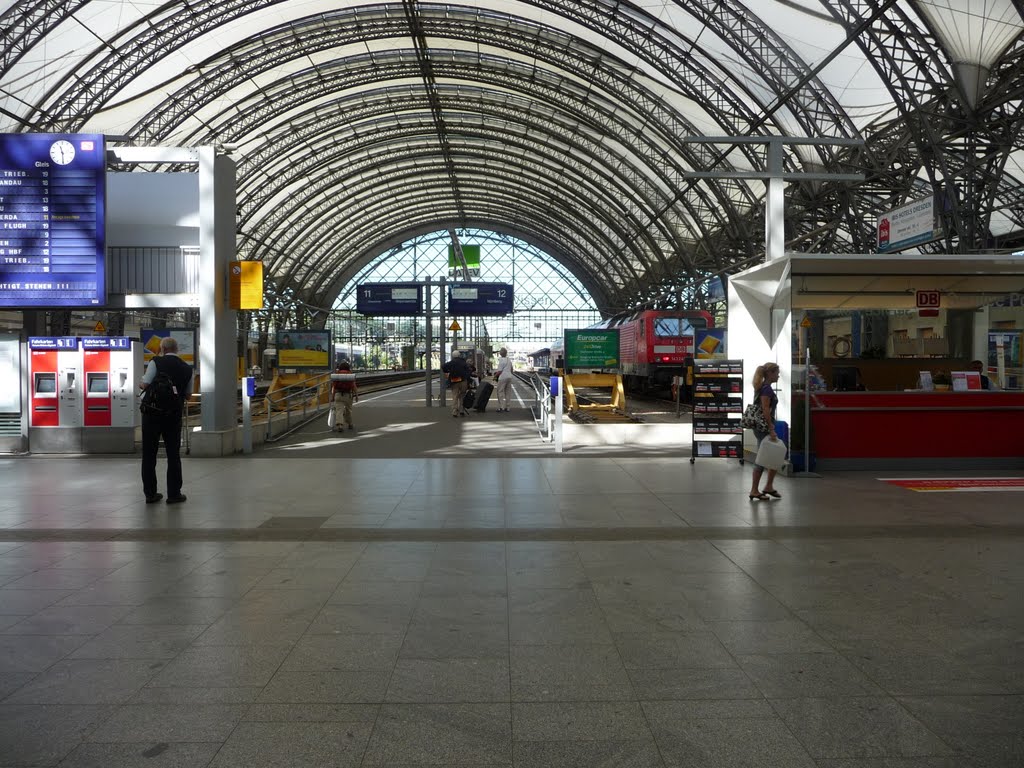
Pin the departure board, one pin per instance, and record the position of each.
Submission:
(52, 237)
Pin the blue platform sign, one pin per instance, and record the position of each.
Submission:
(53, 342)
(479, 299)
(52, 220)
(106, 342)
(397, 299)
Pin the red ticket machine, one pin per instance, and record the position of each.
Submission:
(55, 394)
(110, 366)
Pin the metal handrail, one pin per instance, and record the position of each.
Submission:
(541, 409)
(305, 397)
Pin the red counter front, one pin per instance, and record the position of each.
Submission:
(886, 429)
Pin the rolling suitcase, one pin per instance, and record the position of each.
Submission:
(483, 394)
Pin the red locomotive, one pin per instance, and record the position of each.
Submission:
(654, 343)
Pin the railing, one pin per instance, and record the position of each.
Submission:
(541, 408)
(296, 405)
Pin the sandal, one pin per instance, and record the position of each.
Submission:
(773, 493)
(758, 496)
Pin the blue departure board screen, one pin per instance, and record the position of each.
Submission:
(397, 299)
(52, 235)
(479, 298)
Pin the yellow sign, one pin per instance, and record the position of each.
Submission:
(245, 285)
(455, 326)
(99, 327)
(806, 322)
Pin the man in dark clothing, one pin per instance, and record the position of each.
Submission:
(458, 377)
(157, 426)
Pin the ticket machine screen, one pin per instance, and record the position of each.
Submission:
(46, 384)
(97, 384)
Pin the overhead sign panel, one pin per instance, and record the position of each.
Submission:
(401, 299)
(479, 299)
(909, 225)
(52, 209)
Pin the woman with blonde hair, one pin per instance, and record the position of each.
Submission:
(764, 377)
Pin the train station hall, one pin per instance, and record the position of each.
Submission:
(512, 384)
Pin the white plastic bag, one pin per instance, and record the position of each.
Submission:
(330, 418)
(771, 454)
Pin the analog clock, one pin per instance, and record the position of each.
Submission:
(62, 152)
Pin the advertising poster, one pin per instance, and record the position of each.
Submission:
(471, 253)
(908, 225)
(186, 338)
(304, 349)
(592, 349)
(710, 343)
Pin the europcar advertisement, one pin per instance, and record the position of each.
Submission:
(304, 349)
(592, 349)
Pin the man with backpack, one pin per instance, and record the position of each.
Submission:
(166, 384)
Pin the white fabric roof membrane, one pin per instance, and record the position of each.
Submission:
(583, 107)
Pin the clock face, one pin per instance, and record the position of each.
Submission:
(62, 152)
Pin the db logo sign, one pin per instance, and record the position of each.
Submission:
(927, 299)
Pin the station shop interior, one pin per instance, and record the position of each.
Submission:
(837, 185)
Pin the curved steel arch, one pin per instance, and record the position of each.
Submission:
(553, 205)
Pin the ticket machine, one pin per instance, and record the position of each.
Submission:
(110, 366)
(55, 394)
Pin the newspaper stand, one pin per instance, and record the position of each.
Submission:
(717, 410)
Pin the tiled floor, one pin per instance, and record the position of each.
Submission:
(305, 610)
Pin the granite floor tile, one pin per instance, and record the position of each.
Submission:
(662, 683)
(88, 681)
(577, 672)
(69, 620)
(32, 654)
(222, 666)
(159, 755)
(294, 744)
(449, 680)
(733, 743)
(38, 735)
(858, 727)
(441, 734)
(672, 650)
(351, 592)
(780, 636)
(323, 653)
(806, 675)
(572, 721)
(312, 713)
(157, 723)
(456, 640)
(587, 754)
(955, 716)
(330, 687)
(362, 619)
(164, 609)
(139, 641)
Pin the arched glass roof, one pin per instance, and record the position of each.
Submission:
(563, 123)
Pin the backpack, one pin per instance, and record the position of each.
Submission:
(161, 396)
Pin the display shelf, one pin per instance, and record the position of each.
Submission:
(717, 410)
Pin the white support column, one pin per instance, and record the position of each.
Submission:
(217, 323)
(775, 205)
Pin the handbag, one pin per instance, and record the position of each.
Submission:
(753, 418)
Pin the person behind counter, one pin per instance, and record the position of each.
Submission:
(986, 382)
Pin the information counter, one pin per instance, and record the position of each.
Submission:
(916, 430)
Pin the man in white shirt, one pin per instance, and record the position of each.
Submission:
(503, 379)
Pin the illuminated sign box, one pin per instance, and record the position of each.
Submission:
(52, 226)
(395, 299)
(245, 285)
(479, 299)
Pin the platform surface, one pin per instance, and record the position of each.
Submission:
(321, 603)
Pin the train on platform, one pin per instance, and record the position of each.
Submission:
(654, 345)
